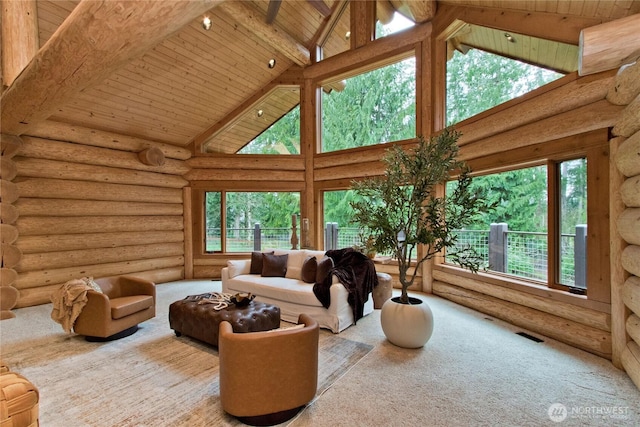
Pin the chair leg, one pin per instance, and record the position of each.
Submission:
(129, 331)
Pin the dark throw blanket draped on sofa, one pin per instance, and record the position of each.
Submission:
(356, 272)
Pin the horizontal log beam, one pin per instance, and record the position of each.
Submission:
(8, 213)
(631, 259)
(161, 275)
(62, 208)
(9, 145)
(609, 46)
(631, 362)
(247, 161)
(70, 62)
(244, 175)
(628, 156)
(65, 151)
(626, 86)
(69, 242)
(53, 130)
(630, 191)
(7, 276)
(64, 259)
(631, 294)
(85, 190)
(589, 317)
(8, 169)
(42, 295)
(8, 233)
(575, 334)
(9, 191)
(42, 168)
(629, 121)
(10, 255)
(540, 104)
(367, 169)
(633, 327)
(29, 226)
(58, 276)
(598, 115)
(628, 224)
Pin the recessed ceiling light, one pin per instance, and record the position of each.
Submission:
(509, 38)
(271, 63)
(206, 23)
(260, 113)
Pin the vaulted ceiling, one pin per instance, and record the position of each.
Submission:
(204, 85)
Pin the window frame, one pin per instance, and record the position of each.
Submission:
(594, 146)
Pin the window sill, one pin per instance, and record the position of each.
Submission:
(528, 287)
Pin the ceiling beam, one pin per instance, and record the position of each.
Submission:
(417, 11)
(548, 26)
(96, 39)
(251, 18)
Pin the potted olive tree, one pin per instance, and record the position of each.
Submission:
(403, 211)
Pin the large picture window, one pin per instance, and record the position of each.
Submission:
(246, 221)
(363, 114)
(530, 203)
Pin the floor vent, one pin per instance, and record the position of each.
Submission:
(531, 337)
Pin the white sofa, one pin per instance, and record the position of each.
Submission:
(291, 293)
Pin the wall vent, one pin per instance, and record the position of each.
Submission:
(531, 337)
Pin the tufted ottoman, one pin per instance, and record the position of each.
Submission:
(201, 321)
(18, 400)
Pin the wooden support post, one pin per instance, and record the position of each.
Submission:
(20, 40)
(363, 17)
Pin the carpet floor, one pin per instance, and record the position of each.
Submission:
(474, 371)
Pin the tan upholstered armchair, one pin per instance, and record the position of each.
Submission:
(267, 377)
(115, 313)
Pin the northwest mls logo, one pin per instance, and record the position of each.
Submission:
(557, 412)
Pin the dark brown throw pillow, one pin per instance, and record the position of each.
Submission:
(309, 268)
(274, 265)
(324, 267)
(256, 262)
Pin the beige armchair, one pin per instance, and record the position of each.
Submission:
(267, 377)
(115, 313)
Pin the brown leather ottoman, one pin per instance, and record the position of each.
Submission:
(201, 321)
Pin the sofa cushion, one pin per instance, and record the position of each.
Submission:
(256, 262)
(277, 288)
(124, 306)
(274, 265)
(324, 267)
(309, 268)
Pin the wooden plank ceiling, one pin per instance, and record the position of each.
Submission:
(209, 84)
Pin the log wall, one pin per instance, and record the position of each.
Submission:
(626, 222)
(9, 252)
(87, 206)
(576, 105)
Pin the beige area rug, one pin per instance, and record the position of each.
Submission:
(151, 378)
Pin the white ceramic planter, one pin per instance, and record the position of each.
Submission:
(407, 325)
